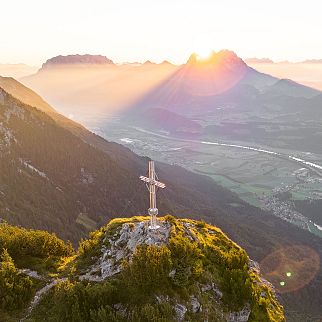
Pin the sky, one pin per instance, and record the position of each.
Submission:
(137, 30)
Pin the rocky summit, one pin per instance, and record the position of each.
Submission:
(186, 270)
(76, 59)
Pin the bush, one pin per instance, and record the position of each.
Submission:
(15, 288)
(149, 269)
(36, 243)
(187, 260)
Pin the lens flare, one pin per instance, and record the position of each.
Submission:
(291, 268)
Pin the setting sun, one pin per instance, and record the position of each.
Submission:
(203, 47)
(204, 53)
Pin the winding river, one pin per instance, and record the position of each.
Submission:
(313, 166)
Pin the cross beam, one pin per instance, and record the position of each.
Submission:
(152, 183)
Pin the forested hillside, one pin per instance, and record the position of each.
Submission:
(62, 178)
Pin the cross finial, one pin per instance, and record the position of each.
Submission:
(151, 183)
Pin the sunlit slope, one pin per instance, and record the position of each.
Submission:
(16, 70)
(24, 94)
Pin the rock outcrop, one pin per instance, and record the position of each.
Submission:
(122, 245)
(119, 244)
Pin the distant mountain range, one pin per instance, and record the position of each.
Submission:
(223, 78)
(21, 70)
(259, 61)
(223, 92)
(255, 60)
(307, 72)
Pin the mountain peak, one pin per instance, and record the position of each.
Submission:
(186, 270)
(76, 60)
(148, 62)
(223, 57)
(166, 62)
(181, 254)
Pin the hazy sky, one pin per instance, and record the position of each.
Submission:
(137, 30)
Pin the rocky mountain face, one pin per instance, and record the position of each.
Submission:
(76, 60)
(184, 271)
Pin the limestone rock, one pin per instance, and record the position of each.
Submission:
(120, 308)
(239, 316)
(172, 274)
(206, 288)
(122, 245)
(195, 305)
(162, 298)
(217, 291)
(181, 311)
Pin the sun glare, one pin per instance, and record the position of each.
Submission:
(203, 47)
(204, 53)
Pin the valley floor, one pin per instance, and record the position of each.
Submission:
(272, 179)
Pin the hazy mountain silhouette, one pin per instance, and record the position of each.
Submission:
(223, 78)
(223, 92)
(60, 60)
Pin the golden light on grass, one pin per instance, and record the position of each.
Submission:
(291, 268)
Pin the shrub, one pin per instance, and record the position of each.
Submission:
(15, 288)
(149, 269)
(186, 257)
(36, 243)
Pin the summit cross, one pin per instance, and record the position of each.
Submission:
(152, 184)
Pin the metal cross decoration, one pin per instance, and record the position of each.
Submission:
(152, 183)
